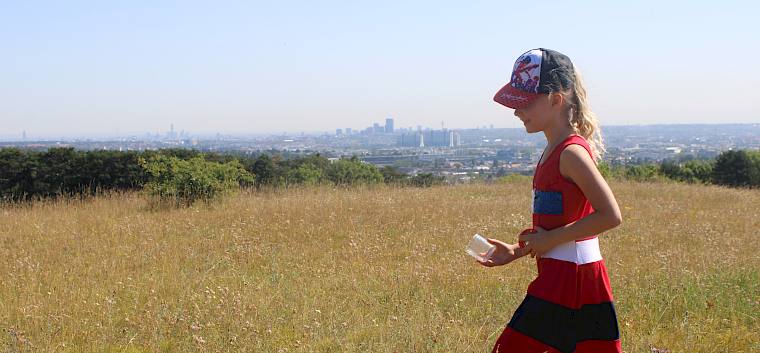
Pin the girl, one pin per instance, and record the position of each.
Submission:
(569, 306)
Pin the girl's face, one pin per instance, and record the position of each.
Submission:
(537, 115)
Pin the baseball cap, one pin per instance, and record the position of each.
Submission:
(535, 72)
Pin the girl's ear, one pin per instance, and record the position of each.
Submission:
(556, 99)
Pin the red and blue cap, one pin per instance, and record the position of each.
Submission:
(537, 71)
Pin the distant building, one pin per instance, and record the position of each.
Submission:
(442, 138)
(389, 125)
(348, 131)
(376, 128)
(338, 132)
(430, 138)
(437, 138)
(414, 139)
(454, 139)
(171, 135)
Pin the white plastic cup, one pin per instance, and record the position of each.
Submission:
(479, 245)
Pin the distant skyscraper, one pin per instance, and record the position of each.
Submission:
(170, 135)
(413, 139)
(437, 138)
(430, 138)
(338, 132)
(348, 131)
(389, 125)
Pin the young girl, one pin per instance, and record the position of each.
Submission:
(569, 306)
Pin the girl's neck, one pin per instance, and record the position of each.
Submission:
(557, 133)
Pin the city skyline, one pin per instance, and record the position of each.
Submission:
(180, 133)
(106, 69)
(430, 150)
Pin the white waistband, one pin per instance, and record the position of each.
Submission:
(581, 252)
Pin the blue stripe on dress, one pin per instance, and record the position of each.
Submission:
(547, 202)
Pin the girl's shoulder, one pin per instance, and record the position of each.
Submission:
(566, 145)
(576, 160)
(579, 141)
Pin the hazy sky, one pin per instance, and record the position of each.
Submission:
(107, 67)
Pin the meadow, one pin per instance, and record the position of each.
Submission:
(376, 268)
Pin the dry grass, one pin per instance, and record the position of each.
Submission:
(370, 269)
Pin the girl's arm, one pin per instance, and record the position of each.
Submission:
(576, 165)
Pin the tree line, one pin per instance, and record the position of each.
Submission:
(28, 174)
(734, 168)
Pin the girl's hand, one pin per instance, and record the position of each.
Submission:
(538, 243)
(503, 254)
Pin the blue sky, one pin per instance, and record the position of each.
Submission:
(103, 68)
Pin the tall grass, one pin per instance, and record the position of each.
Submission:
(377, 269)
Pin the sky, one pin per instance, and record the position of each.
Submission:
(78, 68)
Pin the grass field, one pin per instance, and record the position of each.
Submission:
(376, 269)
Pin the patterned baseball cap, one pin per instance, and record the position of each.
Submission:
(535, 72)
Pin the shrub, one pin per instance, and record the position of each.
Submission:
(644, 172)
(426, 180)
(353, 171)
(306, 174)
(693, 171)
(265, 170)
(391, 175)
(177, 182)
(737, 168)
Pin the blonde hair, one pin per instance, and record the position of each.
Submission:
(581, 118)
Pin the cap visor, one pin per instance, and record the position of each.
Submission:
(514, 98)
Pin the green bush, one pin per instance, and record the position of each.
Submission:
(644, 172)
(392, 176)
(26, 174)
(426, 180)
(305, 174)
(266, 171)
(737, 168)
(177, 182)
(353, 171)
(693, 171)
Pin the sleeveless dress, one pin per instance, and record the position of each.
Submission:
(569, 306)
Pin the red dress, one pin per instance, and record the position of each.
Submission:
(569, 306)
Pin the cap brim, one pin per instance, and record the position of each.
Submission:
(514, 98)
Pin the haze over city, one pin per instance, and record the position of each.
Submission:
(107, 69)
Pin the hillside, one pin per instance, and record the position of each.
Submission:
(365, 269)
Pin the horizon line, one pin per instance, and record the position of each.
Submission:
(207, 134)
